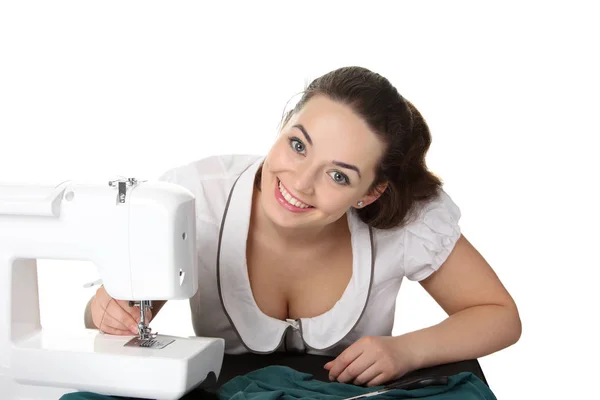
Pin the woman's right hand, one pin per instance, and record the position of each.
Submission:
(115, 317)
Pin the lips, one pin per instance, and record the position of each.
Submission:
(290, 201)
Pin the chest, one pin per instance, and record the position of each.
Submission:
(301, 283)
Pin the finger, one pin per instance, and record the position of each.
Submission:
(328, 365)
(105, 299)
(112, 331)
(109, 324)
(102, 319)
(356, 368)
(345, 359)
(134, 311)
(378, 380)
(113, 316)
(124, 319)
(368, 374)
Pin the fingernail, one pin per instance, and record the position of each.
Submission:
(134, 328)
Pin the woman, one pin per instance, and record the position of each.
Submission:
(305, 249)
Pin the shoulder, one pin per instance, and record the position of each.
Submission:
(213, 168)
(439, 214)
(210, 179)
(424, 242)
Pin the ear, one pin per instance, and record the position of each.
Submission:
(372, 196)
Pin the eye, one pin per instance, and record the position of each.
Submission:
(297, 145)
(340, 178)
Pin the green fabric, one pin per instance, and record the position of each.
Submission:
(284, 383)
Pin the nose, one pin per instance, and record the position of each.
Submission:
(305, 180)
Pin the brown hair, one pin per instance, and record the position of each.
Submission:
(401, 127)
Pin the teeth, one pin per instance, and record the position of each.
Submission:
(288, 197)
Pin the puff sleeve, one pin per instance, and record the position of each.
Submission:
(430, 237)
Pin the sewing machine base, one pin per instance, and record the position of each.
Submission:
(45, 366)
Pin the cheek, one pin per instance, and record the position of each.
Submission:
(333, 200)
(279, 157)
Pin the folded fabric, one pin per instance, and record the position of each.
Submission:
(283, 383)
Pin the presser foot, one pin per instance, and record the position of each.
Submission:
(145, 331)
(146, 337)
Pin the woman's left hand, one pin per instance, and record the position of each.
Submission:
(372, 361)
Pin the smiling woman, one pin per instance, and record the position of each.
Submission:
(304, 249)
(325, 156)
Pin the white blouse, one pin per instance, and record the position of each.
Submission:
(224, 305)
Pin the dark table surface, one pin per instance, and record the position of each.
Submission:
(234, 365)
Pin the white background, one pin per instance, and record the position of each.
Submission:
(510, 91)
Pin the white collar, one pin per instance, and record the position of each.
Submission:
(259, 332)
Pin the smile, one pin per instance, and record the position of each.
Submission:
(289, 201)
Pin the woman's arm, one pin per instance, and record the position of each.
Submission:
(483, 318)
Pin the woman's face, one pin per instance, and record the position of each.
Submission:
(322, 163)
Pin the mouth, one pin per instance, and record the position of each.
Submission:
(288, 200)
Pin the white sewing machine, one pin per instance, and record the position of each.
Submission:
(141, 237)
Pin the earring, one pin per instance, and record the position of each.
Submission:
(360, 203)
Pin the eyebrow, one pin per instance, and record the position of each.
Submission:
(349, 166)
(306, 135)
(338, 163)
